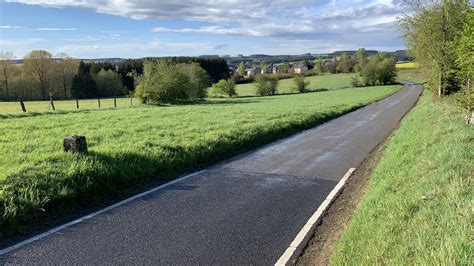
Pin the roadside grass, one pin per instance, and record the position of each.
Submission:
(406, 65)
(130, 147)
(418, 206)
(285, 86)
(40, 106)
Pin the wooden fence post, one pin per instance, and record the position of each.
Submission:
(51, 101)
(77, 103)
(115, 102)
(22, 105)
(131, 101)
(98, 100)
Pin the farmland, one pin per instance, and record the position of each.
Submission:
(130, 146)
(406, 65)
(329, 82)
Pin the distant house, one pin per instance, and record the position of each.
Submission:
(300, 69)
(252, 71)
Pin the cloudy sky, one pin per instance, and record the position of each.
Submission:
(138, 28)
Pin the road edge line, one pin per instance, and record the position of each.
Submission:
(89, 216)
(299, 243)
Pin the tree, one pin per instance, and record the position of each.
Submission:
(108, 83)
(198, 78)
(319, 66)
(330, 66)
(300, 83)
(224, 87)
(38, 64)
(345, 65)
(241, 69)
(67, 68)
(428, 31)
(162, 82)
(83, 85)
(380, 69)
(361, 59)
(129, 70)
(283, 68)
(7, 69)
(464, 51)
(266, 85)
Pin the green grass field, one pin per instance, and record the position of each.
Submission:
(329, 82)
(64, 105)
(412, 75)
(136, 145)
(418, 206)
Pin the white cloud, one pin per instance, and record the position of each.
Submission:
(10, 27)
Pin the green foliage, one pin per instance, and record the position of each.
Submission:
(129, 70)
(198, 80)
(162, 82)
(143, 144)
(241, 69)
(418, 206)
(379, 70)
(266, 85)
(224, 87)
(300, 83)
(429, 33)
(83, 85)
(109, 83)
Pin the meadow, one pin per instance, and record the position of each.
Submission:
(285, 86)
(418, 206)
(142, 144)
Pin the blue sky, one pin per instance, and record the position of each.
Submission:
(139, 28)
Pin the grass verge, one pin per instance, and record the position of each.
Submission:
(132, 146)
(418, 206)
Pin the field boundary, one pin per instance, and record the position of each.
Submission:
(299, 243)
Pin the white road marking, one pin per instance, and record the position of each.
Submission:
(61, 227)
(300, 241)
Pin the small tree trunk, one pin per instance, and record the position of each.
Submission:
(77, 103)
(51, 101)
(115, 102)
(98, 101)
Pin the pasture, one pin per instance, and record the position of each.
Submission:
(328, 82)
(136, 145)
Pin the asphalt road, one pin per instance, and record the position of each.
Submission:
(244, 211)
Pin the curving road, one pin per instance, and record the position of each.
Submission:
(244, 211)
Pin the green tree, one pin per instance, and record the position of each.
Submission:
(83, 85)
(224, 87)
(300, 83)
(319, 66)
(66, 69)
(361, 59)
(428, 31)
(241, 69)
(198, 78)
(108, 83)
(7, 70)
(266, 85)
(162, 82)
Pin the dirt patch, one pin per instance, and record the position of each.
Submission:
(327, 233)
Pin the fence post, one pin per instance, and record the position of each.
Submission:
(77, 103)
(22, 105)
(115, 102)
(51, 101)
(131, 101)
(98, 100)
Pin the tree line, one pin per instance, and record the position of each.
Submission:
(40, 76)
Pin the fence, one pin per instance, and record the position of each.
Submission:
(53, 105)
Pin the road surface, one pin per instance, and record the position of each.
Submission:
(244, 211)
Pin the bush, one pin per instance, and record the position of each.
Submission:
(266, 85)
(164, 82)
(300, 83)
(379, 70)
(224, 87)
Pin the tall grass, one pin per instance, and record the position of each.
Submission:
(418, 206)
(132, 146)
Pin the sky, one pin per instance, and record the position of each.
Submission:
(141, 28)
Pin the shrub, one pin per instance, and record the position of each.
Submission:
(266, 85)
(300, 83)
(224, 87)
(164, 82)
(379, 70)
